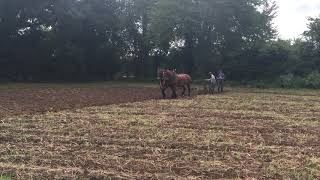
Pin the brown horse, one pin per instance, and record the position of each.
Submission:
(170, 79)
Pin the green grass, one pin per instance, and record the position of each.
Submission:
(2, 177)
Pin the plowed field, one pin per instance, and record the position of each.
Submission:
(243, 133)
(30, 100)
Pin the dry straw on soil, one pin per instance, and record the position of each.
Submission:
(240, 134)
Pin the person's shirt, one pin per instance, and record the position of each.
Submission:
(212, 78)
(221, 76)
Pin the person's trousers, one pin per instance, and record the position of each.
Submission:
(220, 85)
(212, 86)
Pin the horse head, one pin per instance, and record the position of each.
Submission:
(168, 75)
(160, 74)
(165, 74)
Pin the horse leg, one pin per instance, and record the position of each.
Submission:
(184, 90)
(163, 93)
(189, 90)
(174, 94)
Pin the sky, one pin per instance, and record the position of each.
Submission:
(292, 16)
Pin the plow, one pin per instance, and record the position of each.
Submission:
(204, 86)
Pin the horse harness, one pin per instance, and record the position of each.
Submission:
(164, 83)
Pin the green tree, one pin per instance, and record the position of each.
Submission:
(311, 48)
(215, 29)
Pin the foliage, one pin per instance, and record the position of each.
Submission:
(291, 81)
(94, 40)
(313, 80)
(210, 31)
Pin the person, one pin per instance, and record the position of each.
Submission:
(220, 80)
(212, 80)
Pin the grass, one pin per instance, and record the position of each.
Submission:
(244, 133)
(5, 177)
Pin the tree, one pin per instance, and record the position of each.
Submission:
(94, 39)
(312, 35)
(311, 48)
(212, 29)
(59, 39)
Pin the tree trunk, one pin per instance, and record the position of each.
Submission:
(189, 60)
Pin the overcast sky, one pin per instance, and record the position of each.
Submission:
(293, 14)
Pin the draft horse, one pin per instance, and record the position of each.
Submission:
(170, 79)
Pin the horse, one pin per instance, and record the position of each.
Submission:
(170, 79)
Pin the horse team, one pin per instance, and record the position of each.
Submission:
(170, 79)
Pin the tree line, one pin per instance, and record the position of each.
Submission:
(81, 40)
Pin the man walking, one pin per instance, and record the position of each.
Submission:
(212, 83)
(220, 80)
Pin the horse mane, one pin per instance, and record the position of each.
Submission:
(173, 75)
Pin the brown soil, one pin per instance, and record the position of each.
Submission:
(236, 135)
(37, 99)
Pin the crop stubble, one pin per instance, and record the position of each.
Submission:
(240, 134)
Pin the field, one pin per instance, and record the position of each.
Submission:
(17, 99)
(243, 133)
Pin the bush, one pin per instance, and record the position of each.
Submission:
(312, 80)
(259, 84)
(291, 81)
(286, 80)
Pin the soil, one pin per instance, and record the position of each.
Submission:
(38, 100)
(236, 135)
